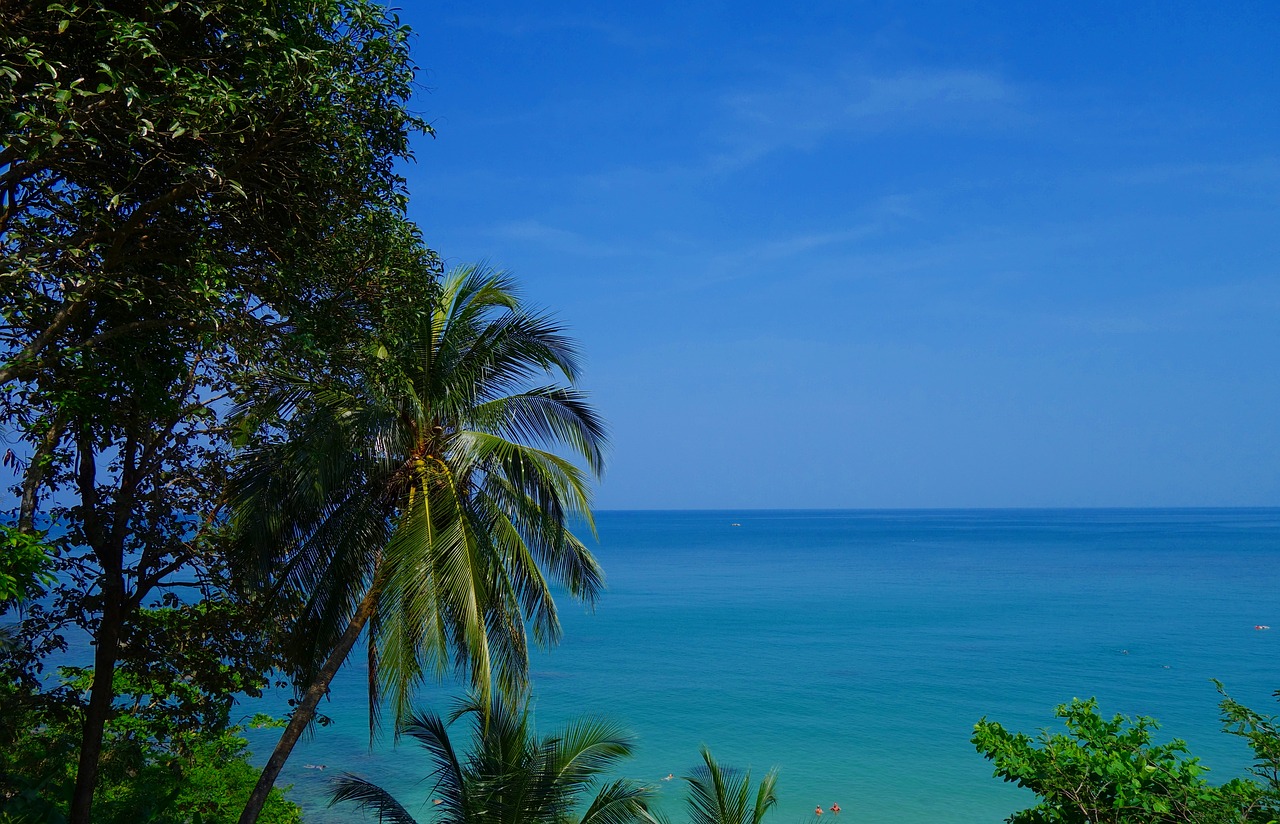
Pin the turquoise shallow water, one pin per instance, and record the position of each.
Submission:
(855, 650)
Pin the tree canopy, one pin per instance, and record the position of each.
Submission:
(187, 189)
(1109, 771)
(161, 161)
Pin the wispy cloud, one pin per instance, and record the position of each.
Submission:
(1214, 305)
(1258, 176)
(794, 247)
(801, 111)
(735, 128)
(554, 238)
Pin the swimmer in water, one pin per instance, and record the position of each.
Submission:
(835, 808)
(669, 777)
(817, 810)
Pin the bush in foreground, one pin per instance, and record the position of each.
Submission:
(1108, 771)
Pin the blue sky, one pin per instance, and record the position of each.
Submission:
(884, 254)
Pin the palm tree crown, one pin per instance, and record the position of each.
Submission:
(722, 795)
(422, 492)
(512, 776)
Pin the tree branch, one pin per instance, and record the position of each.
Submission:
(36, 472)
(23, 364)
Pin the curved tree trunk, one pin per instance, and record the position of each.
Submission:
(110, 555)
(101, 693)
(306, 709)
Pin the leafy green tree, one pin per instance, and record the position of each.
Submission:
(187, 187)
(24, 566)
(161, 156)
(1109, 772)
(196, 776)
(418, 495)
(179, 670)
(1262, 732)
(722, 795)
(511, 775)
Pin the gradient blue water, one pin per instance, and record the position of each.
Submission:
(855, 650)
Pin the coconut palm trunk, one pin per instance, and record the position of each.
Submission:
(305, 711)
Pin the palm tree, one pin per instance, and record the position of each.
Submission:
(511, 776)
(720, 795)
(419, 495)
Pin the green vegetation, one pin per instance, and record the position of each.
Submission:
(413, 494)
(1108, 771)
(187, 189)
(192, 775)
(722, 795)
(24, 565)
(1262, 732)
(511, 775)
(254, 420)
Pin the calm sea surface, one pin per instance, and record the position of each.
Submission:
(855, 650)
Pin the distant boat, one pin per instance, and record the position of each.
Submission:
(735, 524)
(1262, 626)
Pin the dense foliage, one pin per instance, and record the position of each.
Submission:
(193, 776)
(24, 566)
(1262, 733)
(1108, 771)
(187, 189)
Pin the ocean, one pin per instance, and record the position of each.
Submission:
(855, 650)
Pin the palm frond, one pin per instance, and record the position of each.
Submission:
(368, 796)
(766, 798)
(547, 416)
(418, 610)
(621, 802)
(588, 747)
(520, 572)
(450, 781)
(553, 482)
(554, 546)
(717, 795)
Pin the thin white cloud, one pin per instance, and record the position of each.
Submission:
(554, 238)
(1258, 176)
(803, 110)
(1177, 310)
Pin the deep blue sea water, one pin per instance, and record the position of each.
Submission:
(855, 650)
